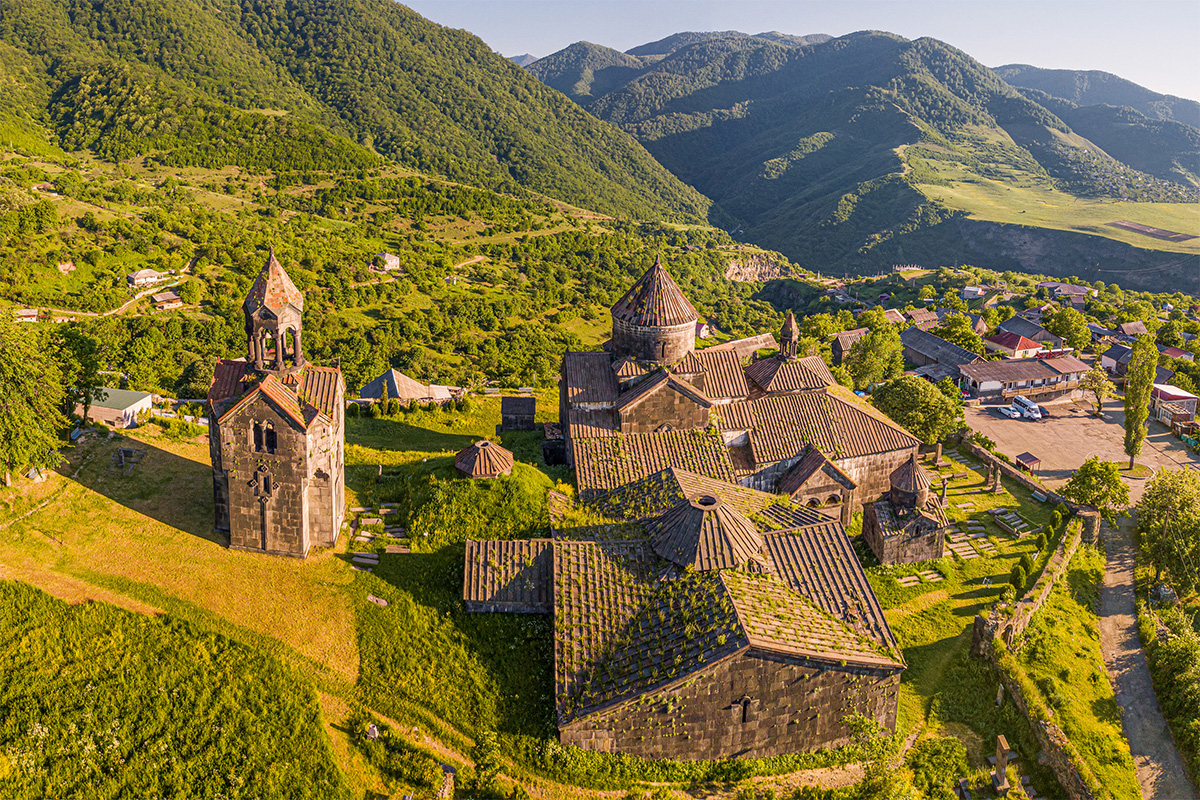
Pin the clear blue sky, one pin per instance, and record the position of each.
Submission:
(1152, 42)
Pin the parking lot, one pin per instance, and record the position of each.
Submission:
(1072, 434)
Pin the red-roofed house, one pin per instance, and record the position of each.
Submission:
(1170, 404)
(1013, 345)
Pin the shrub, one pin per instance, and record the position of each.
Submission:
(353, 410)
(937, 764)
(1018, 578)
(1040, 541)
(178, 430)
(1056, 520)
(1026, 563)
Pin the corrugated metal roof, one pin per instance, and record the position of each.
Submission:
(655, 301)
(1010, 340)
(1065, 365)
(936, 348)
(1023, 369)
(119, 399)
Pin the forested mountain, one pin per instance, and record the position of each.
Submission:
(584, 71)
(834, 153)
(1092, 87)
(364, 77)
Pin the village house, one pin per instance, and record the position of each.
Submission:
(1116, 359)
(842, 342)
(1171, 405)
(26, 315)
(396, 385)
(922, 348)
(165, 301)
(1036, 378)
(1176, 352)
(117, 408)
(1131, 330)
(1058, 290)
(387, 262)
(1031, 330)
(143, 278)
(972, 292)
(1012, 345)
(276, 431)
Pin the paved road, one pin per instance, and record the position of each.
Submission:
(1159, 767)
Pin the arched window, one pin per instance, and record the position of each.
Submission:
(833, 500)
(258, 437)
(814, 503)
(269, 440)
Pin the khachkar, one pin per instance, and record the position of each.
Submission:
(275, 431)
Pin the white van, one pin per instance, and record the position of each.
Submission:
(1029, 409)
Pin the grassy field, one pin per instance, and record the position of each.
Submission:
(144, 541)
(1061, 653)
(1039, 206)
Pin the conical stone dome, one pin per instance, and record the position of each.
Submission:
(654, 322)
(484, 459)
(273, 290)
(910, 483)
(705, 533)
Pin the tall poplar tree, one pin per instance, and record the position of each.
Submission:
(1139, 382)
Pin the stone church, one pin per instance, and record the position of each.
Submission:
(276, 434)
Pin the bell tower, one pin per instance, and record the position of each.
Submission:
(789, 337)
(273, 310)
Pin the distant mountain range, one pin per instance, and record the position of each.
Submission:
(834, 151)
(523, 60)
(1094, 88)
(310, 84)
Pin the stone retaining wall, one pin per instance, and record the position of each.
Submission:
(991, 638)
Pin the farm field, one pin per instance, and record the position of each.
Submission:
(1037, 205)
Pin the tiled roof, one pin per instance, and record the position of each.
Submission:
(273, 289)
(628, 367)
(777, 618)
(722, 373)
(784, 517)
(778, 374)
(893, 316)
(936, 348)
(657, 493)
(231, 380)
(279, 395)
(785, 424)
(589, 378)
(1021, 369)
(483, 459)
(605, 463)
(745, 348)
(806, 467)
(819, 562)
(319, 388)
(621, 632)
(704, 533)
(1013, 341)
(656, 383)
(1135, 328)
(910, 476)
(919, 315)
(509, 575)
(585, 424)
(846, 339)
(655, 301)
(735, 417)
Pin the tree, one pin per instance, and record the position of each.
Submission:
(30, 402)
(1139, 381)
(919, 407)
(957, 329)
(876, 357)
(1096, 383)
(196, 378)
(78, 355)
(1168, 523)
(1072, 326)
(1018, 578)
(1098, 483)
(191, 292)
(884, 775)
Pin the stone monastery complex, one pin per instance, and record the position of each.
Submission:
(719, 608)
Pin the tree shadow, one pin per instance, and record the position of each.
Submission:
(171, 489)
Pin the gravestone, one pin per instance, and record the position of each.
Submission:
(996, 486)
(1000, 775)
(999, 695)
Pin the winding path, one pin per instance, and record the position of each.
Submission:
(1159, 767)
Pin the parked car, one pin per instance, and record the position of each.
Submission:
(1009, 411)
(1045, 412)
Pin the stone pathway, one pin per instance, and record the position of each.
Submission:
(1159, 768)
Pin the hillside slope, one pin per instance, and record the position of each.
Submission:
(431, 98)
(1093, 87)
(835, 153)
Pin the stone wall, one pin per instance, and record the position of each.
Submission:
(750, 704)
(665, 407)
(659, 345)
(901, 548)
(991, 638)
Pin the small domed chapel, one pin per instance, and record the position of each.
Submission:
(275, 432)
(717, 608)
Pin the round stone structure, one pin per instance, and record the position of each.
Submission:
(654, 322)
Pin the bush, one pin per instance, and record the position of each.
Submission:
(937, 764)
(1018, 578)
(1056, 521)
(1026, 563)
(353, 410)
(1040, 541)
(178, 430)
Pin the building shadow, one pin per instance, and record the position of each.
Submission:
(166, 487)
(398, 435)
